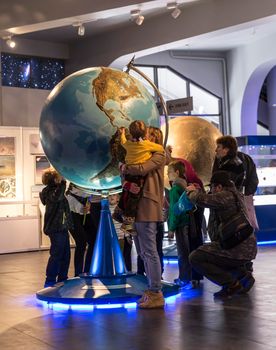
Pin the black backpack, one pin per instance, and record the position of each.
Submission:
(251, 181)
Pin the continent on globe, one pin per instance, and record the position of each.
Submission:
(110, 85)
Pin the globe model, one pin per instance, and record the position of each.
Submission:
(194, 139)
(79, 118)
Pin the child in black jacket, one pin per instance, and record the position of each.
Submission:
(57, 222)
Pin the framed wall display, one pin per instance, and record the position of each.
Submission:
(7, 168)
(35, 144)
(41, 164)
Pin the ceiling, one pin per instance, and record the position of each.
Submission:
(61, 30)
(232, 37)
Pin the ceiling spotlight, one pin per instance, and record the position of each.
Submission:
(174, 6)
(136, 16)
(139, 20)
(81, 30)
(11, 43)
(176, 13)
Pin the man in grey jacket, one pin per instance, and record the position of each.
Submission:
(225, 267)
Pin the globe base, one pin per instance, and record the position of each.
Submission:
(93, 291)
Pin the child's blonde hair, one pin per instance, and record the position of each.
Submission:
(49, 175)
(138, 129)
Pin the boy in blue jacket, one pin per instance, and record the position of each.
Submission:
(57, 222)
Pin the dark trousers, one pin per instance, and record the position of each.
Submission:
(59, 260)
(196, 236)
(159, 245)
(80, 237)
(183, 251)
(93, 220)
(127, 254)
(218, 269)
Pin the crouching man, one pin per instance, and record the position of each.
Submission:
(223, 260)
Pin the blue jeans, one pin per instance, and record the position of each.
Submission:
(145, 243)
(59, 260)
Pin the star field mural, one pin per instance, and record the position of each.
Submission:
(31, 72)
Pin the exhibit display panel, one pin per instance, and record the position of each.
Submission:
(19, 226)
(262, 149)
(21, 164)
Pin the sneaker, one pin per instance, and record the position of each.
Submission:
(247, 282)
(49, 284)
(228, 291)
(181, 283)
(153, 300)
(143, 297)
(126, 227)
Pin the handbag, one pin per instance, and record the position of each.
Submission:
(183, 204)
(237, 229)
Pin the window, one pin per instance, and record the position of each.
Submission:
(149, 72)
(31, 72)
(171, 85)
(203, 101)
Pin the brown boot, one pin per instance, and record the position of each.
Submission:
(153, 300)
(143, 297)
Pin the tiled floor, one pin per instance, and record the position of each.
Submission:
(192, 321)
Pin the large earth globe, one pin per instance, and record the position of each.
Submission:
(194, 139)
(79, 118)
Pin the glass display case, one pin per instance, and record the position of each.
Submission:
(262, 149)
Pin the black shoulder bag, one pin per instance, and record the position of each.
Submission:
(237, 229)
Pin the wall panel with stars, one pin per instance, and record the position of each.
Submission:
(31, 72)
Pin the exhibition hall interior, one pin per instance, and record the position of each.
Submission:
(73, 75)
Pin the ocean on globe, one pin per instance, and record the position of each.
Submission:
(79, 118)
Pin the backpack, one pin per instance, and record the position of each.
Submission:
(250, 181)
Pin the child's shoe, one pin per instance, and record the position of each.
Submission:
(48, 284)
(128, 225)
(181, 283)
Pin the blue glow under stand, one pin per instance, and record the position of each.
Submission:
(108, 281)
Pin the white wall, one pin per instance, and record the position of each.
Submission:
(22, 107)
(247, 68)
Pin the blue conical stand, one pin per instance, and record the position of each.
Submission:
(107, 260)
(107, 282)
